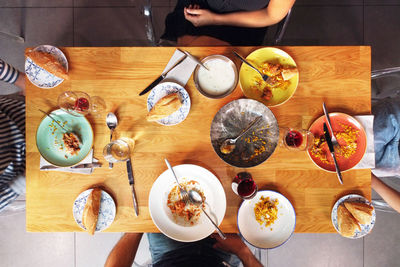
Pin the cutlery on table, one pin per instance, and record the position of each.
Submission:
(80, 166)
(112, 122)
(131, 183)
(332, 151)
(195, 198)
(194, 58)
(265, 77)
(184, 193)
(229, 144)
(51, 117)
(333, 138)
(162, 76)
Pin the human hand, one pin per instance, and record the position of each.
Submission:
(199, 17)
(232, 244)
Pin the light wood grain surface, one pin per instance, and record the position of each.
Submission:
(340, 76)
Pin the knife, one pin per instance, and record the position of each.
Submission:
(162, 76)
(130, 178)
(80, 166)
(330, 145)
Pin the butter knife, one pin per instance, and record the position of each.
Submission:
(330, 145)
(80, 166)
(162, 76)
(193, 58)
(131, 183)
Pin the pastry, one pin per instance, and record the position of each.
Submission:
(91, 211)
(361, 211)
(346, 222)
(287, 74)
(48, 62)
(164, 107)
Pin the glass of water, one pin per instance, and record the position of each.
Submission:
(117, 151)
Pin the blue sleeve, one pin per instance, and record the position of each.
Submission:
(8, 73)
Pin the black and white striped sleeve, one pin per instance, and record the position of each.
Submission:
(8, 73)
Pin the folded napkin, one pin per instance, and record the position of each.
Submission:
(181, 73)
(89, 159)
(368, 161)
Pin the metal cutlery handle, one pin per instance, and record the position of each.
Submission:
(246, 62)
(172, 170)
(339, 174)
(248, 127)
(131, 182)
(328, 119)
(110, 164)
(221, 234)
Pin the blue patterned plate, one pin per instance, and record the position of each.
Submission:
(41, 77)
(167, 88)
(365, 228)
(106, 213)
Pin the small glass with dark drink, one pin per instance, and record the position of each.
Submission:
(296, 139)
(244, 186)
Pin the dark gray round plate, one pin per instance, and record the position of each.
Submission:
(254, 147)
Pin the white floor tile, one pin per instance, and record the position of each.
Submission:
(19, 248)
(94, 250)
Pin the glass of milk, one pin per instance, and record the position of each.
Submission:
(219, 80)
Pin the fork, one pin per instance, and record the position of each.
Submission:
(264, 76)
(183, 192)
(335, 143)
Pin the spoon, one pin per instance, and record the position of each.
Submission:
(112, 123)
(229, 144)
(197, 200)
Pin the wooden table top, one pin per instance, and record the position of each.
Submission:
(340, 76)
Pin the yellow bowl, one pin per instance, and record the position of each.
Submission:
(248, 76)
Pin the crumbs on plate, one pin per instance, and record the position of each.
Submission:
(266, 211)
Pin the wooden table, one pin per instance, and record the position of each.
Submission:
(340, 76)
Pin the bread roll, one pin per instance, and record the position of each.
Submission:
(48, 62)
(164, 107)
(287, 74)
(361, 211)
(91, 210)
(346, 222)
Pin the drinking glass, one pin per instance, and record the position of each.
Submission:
(296, 139)
(116, 151)
(244, 186)
(79, 103)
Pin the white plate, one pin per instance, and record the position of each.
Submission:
(266, 237)
(162, 216)
(41, 77)
(106, 213)
(164, 89)
(365, 228)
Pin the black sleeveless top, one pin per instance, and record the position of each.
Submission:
(176, 25)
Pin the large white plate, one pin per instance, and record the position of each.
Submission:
(266, 237)
(162, 216)
(106, 213)
(164, 89)
(41, 77)
(365, 228)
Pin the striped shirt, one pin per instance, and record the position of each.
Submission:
(12, 146)
(8, 73)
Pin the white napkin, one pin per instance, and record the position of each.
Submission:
(181, 73)
(89, 159)
(368, 161)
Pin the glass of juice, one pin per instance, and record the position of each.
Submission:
(296, 139)
(244, 186)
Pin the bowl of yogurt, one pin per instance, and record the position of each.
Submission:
(219, 79)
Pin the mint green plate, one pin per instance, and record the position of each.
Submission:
(49, 138)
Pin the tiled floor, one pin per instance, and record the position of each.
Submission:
(120, 23)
